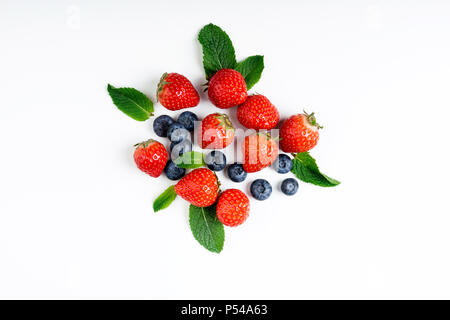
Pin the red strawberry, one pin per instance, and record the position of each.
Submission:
(176, 92)
(217, 132)
(227, 89)
(233, 207)
(151, 157)
(259, 151)
(299, 133)
(199, 187)
(257, 112)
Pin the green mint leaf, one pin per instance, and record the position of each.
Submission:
(251, 69)
(218, 51)
(165, 199)
(132, 102)
(190, 160)
(206, 227)
(306, 169)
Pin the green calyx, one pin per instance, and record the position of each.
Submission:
(266, 135)
(225, 121)
(311, 118)
(161, 84)
(144, 144)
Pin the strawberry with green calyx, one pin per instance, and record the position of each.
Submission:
(150, 157)
(257, 112)
(176, 92)
(200, 187)
(217, 132)
(260, 151)
(299, 133)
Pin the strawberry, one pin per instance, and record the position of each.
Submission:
(259, 152)
(151, 157)
(199, 187)
(257, 112)
(176, 92)
(299, 133)
(233, 207)
(227, 89)
(217, 132)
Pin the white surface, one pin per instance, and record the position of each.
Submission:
(75, 214)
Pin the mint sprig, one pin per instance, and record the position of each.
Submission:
(219, 53)
(306, 169)
(251, 69)
(132, 102)
(190, 160)
(165, 199)
(206, 227)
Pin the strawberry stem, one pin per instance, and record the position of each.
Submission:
(311, 118)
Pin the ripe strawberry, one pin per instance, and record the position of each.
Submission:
(217, 132)
(259, 151)
(233, 207)
(176, 92)
(257, 112)
(227, 89)
(199, 187)
(299, 133)
(151, 157)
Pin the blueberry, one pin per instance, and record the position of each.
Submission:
(187, 119)
(216, 160)
(173, 172)
(236, 172)
(178, 148)
(261, 189)
(283, 164)
(161, 125)
(177, 132)
(289, 186)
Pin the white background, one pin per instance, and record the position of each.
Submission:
(75, 214)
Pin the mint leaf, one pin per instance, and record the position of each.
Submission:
(218, 51)
(206, 227)
(165, 199)
(132, 102)
(306, 169)
(190, 160)
(251, 69)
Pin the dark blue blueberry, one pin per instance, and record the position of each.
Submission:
(187, 119)
(236, 172)
(283, 163)
(216, 160)
(261, 189)
(177, 132)
(162, 124)
(173, 172)
(289, 186)
(178, 148)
